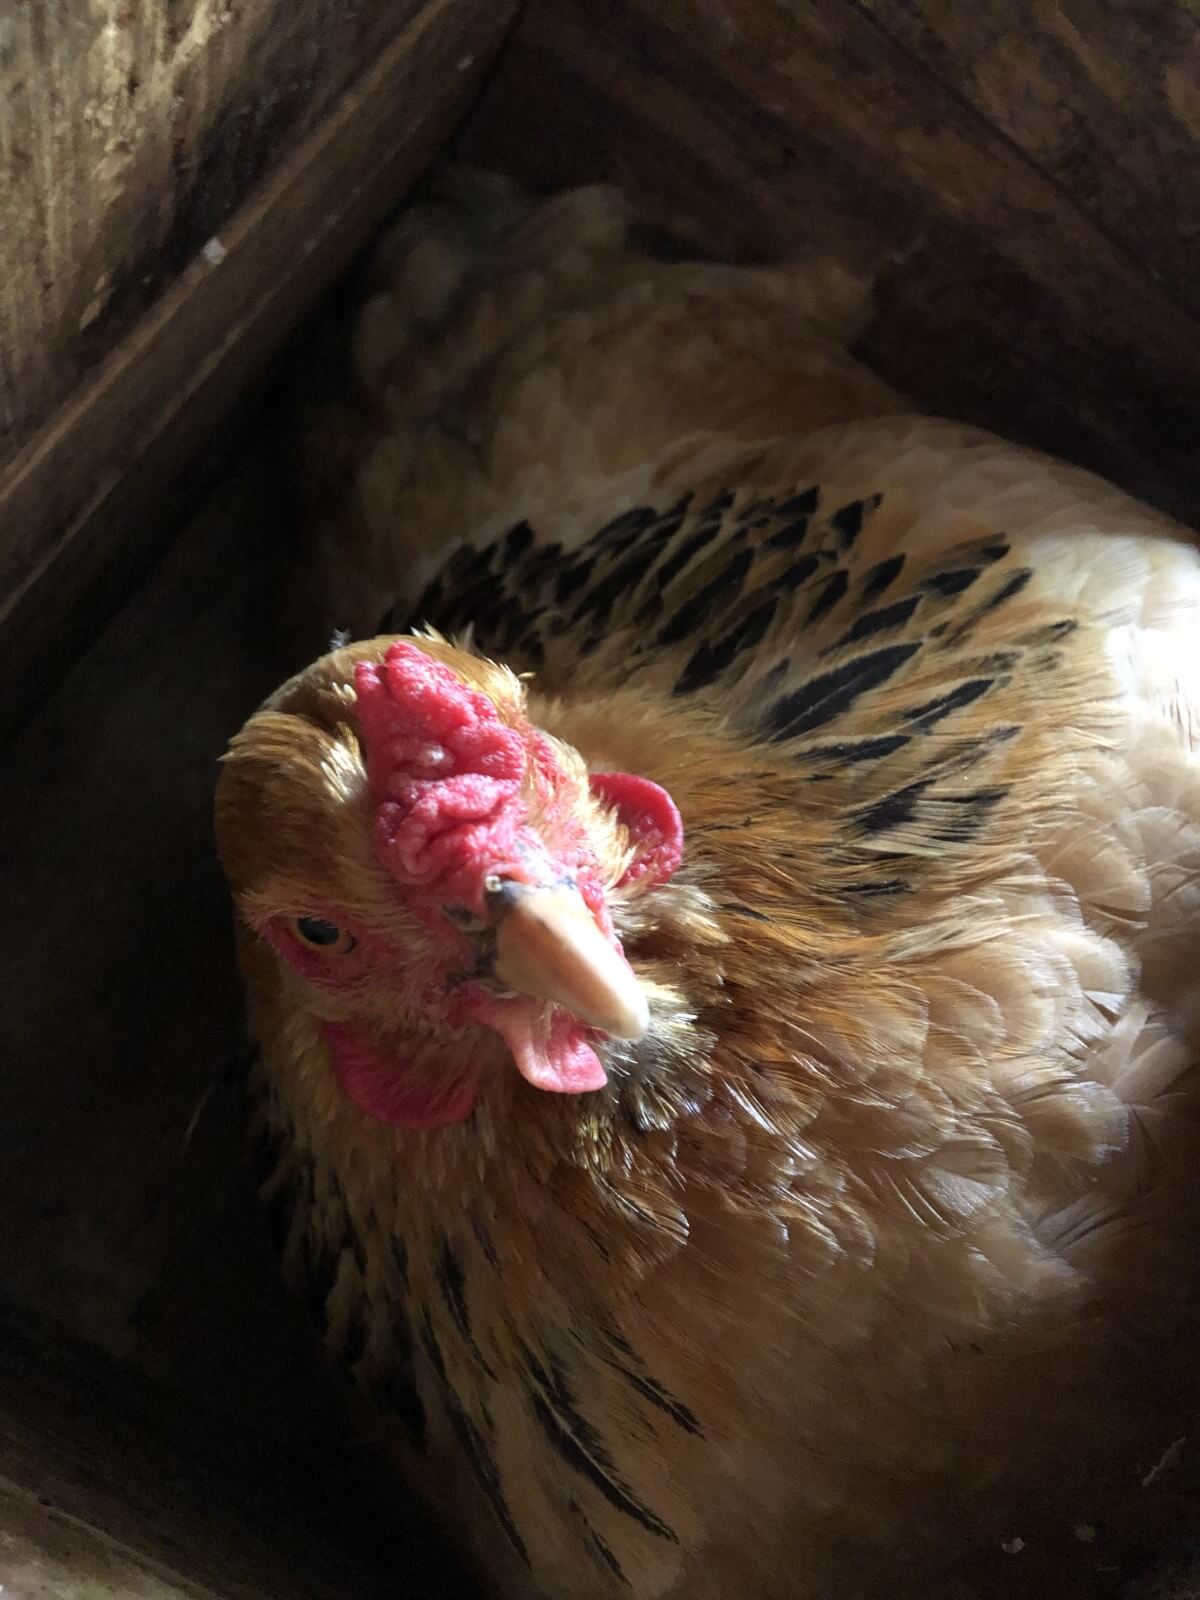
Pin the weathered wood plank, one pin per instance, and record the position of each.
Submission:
(123, 1207)
(1102, 95)
(128, 136)
(111, 1486)
(84, 500)
(784, 126)
(47, 1557)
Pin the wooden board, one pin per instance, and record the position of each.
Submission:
(124, 1212)
(1023, 176)
(112, 1487)
(129, 135)
(106, 416)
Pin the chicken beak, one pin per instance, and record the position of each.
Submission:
(548, 944)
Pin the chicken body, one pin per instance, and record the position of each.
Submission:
(879, 1245)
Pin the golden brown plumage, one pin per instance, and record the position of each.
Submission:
(876, 1249)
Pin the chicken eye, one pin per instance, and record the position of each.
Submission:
(325, 936)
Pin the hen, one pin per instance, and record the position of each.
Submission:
(726, 1022)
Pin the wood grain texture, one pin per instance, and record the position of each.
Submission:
(112, 1487)
(129, 134)
(122, 1191)
(1026, 279)
(1101, 95)
(85, 498)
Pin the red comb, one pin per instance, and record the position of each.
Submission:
(444, 770)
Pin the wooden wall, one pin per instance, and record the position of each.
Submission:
(1023, 174)
(113, 1488)
(179, 180)
(131, 133)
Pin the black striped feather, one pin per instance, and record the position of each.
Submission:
(857, 663)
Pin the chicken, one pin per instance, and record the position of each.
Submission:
(722, 949)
